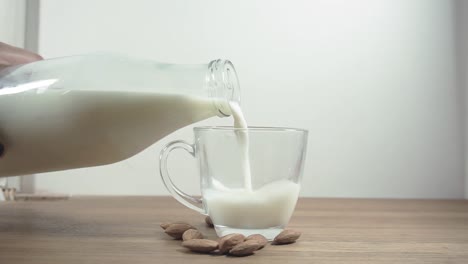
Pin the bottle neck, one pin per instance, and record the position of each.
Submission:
(223, 85)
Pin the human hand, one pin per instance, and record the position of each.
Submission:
(10, 55)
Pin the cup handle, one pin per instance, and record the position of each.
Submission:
(185, 199)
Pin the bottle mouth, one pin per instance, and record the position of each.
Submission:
(223, 85)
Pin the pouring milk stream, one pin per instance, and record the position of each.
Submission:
(268, 206)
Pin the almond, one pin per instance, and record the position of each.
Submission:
(227, 242)
(208, 221)
(259, 238)
(288, 236)
(192, 234)
(201, 245)
(245, 248)
(177, 230)
(165, 225)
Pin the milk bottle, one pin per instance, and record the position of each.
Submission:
(98, 109)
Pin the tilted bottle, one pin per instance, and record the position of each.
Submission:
(97, 109)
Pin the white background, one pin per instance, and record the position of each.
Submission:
(374, 81)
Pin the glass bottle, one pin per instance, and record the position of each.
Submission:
(97, 109)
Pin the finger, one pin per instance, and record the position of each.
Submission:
(10, 55)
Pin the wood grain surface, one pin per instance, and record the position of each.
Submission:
(126, 230)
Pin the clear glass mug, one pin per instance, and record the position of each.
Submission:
(276, 158)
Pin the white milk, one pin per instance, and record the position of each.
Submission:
(243, 140)
(57, 130)
(267, 207)
(270, 206)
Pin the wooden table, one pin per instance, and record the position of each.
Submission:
(126, 230)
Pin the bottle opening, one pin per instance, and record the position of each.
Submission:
(223, 85)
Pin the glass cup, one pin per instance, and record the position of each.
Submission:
(250, 178)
